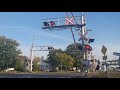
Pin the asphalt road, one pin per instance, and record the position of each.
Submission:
(39, 76)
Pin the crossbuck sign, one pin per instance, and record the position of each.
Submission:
(69, 21)
(83, 36)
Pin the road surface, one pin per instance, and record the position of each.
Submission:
(40, 76)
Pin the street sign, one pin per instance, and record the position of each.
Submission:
(104, 57)
(116, 53)
(103, 50)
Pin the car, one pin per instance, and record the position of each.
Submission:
(78, 70)
(118, 70)
(9, 69)
(47, 70)
(53, 70)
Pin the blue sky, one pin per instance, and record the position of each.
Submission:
(22, 25)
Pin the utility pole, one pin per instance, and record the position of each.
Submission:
(115, 62)
(83, 32)
(38, 48)
(106, 67)
(31, 54)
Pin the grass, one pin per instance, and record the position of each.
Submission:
(104, 75)
(48, 73)
(89, 75)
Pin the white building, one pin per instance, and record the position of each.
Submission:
(44, 65)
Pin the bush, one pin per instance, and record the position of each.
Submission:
(19, 66)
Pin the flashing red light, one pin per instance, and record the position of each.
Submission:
(88, 47)
(52, 23)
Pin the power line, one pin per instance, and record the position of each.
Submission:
(74, 18)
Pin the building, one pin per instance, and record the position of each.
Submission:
(44, 65)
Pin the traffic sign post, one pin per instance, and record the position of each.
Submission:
(116, 53)
(104, 57)
(104, 50)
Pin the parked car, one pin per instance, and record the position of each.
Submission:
(53, 70)
(9, 69)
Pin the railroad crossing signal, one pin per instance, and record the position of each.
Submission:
(68, 21)
(91, 40)
(50, 48)
(62, 23)
(88, 47)
(83, 36)
(46, 24)
(51, 23)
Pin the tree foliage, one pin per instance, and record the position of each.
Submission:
(58, 57)
(51, 58)
(65, 60)
(21, 63)
(75, 53)
(8, 52)
(19, 66)
(36, 64)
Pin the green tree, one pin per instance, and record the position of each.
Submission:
(58, 57)
(74, 52)
(36, 64)
(21, 63)
(65, 60)
(19, 66)
(8, 52)
(51, 58)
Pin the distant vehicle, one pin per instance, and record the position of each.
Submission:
(53, 70)
(118, 70)
(72, 68)
(9, 69)
(47, 70)
(78, 70)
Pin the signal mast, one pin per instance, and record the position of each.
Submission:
(38, 48)
(75, 22)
